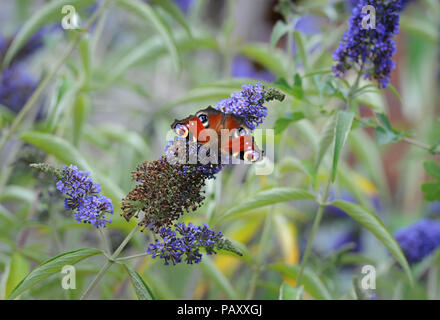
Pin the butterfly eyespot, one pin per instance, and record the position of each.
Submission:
(251, 156)
(239, 132)
(181, 130)
(204, 119)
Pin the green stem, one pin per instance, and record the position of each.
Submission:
(105, 240)
(132, 257)
(108, 263)
(353, 88)
(262, 249)
(43, 84)
(315, 227)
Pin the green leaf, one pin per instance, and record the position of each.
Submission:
(386, 133)
(151, 49)
(142, 290)
(325, 140)
(56, 146)
(80, 113)
(265, 198)
(173, 10)
(146, 12)
(344, 121)
(66, 101)
(295, 91)
(14, 193)
(67, 153)
(47, 13)
(86, 55)
(311, 282)
(278, 31)
(16, 270)
(432, 168)
(212, 272)
(395, 92)
(282, 123)
(273, 60)
(431, 190)
(372, 223)
(289, 293)
(299, 43)
(51, 267)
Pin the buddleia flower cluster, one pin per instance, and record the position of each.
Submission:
(370, 50)
(163, 192)
(188, 245)
(167, 188)
(419, 239)
(83, 197)
(247, 103)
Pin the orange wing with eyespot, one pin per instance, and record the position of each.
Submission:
(239, 142)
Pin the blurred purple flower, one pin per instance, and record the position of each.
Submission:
(335, 211)
(434, 207)
(419, 239)
(35, 42)
(245, 68)
(191, 240)
(16, 86)
(184, 5)
(351, 237)
(309, 24)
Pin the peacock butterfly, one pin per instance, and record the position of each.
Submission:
(232, 132)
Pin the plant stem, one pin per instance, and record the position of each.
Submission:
(105, 240)
(262, 246)
(42, 86)
(411, 141)
(132, 257)
(353, 88)
(316, 223)
(108, 263)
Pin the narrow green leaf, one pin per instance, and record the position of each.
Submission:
(212, 272)
(431, 190)
(311, 282)
(344, 121)
(395, 92)
(46, 13)
(56, 146)
(273, 60)
(278, 31)
(51, 267)
(287, 292)
(301, 49)
(14, 193)
(282, 123)
(142, 290)
(80, 113)
(325, 140)
(173, 10)
(372, 223)
(86, 55)
(147, 12)
(432, 168)
(16, 270)
(267, 197)
(66, 101)
(67, 153)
